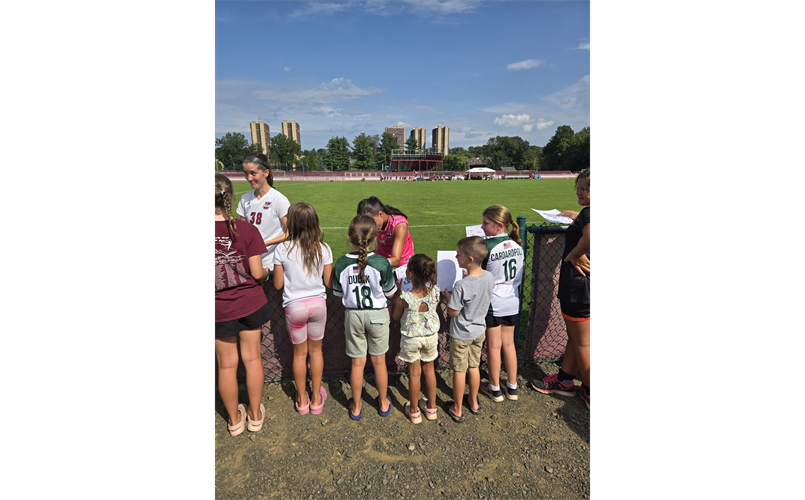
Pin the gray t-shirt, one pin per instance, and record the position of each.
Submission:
(471, 298)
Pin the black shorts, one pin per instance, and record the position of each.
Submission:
(493, 321)
(253, 321)
(574, 312)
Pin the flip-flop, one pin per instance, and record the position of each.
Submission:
(315, 410)
(477, 410)
(349, 409)
(256, 425)
(387, 412)
(448, 407)
(236, 429)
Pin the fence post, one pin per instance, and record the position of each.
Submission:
(521, 223)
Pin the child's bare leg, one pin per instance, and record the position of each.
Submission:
(316, 370)
(381, 380)
(509, 353)
(226, 351)
(356, 383)
(474, 376)
(414, 373)
(493, 343)
(255, 376)
(569, 365)
(430, 383)
(458, 391)
(300, 372)
(579, 333)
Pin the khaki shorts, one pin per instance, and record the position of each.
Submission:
(466, 354)
(413, 349)
(367, 330)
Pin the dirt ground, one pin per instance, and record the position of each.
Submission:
(535, 447)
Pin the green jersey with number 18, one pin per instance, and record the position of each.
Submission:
(370, 293)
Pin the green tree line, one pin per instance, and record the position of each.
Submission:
(566, 150)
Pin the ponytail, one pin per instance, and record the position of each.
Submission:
(501, 215)
(223, 201)
(361, 233)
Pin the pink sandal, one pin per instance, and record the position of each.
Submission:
(256, 425)
(302, 410)
(315, 410)
(430, 414)
(415, 417)
(236, 429)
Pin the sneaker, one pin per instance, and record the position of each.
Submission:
(584, 396)
(510, 393)
(496, 396)
(552, 385)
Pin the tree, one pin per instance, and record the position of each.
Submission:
(580, 157)
(363, 152)
(504, 151)
(231, 149)
(557, 154)
(456, 163)
(284, 151)
(388, 143)
(337, 156)
(411, 144)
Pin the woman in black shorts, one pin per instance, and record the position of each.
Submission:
(574, 300)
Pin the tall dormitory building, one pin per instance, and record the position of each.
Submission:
(290, 129)
(441, 139)
(398, 131)
(418, 133)
(260, 135)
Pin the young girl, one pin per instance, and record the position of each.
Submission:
(240, 310)
(574, 300)
(265, 207)
(364, 280)
(393, 239)
(505, 260)
(419, 342)
(300, 264)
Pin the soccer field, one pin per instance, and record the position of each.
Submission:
(437, 211)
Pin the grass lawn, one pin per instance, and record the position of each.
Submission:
(437, 211)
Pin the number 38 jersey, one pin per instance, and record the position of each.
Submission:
(370, 293)
(505, 260)
(266, 215)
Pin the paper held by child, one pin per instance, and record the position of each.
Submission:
(553, 216)
(447, 270)
(406, 285)
(477, 231)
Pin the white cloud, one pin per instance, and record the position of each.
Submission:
(542, 124)
(575, 96)
(583, 46)
(337, 90)
(511, 121)
(287, 68)
(317, 8)
(443, 7)
(528, 127)
(527, 64)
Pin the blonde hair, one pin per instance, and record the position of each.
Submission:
(223, 200)
(361, 233)
(501, 215)
(304, 231)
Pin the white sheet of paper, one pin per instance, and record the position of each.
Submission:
(476, 231)
(447, 270)
(553, 216)
(406, 285)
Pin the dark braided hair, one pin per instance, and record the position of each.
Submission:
(362, 232)
(223, 200)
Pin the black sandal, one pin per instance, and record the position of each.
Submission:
(477, 410)
(448, 407)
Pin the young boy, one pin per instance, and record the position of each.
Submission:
(468, 304)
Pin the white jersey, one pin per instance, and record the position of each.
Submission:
(371, 293)
(266, 215)
(297, 284)
(505, 260)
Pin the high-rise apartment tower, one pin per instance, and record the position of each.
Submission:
(441, 139)
(398, 131)
(260, 135)
(290, 129)
(418, 133)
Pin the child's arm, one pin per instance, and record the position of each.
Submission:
(447, 295)
(577, 256)
(400, 234)
(398, 305)
(327, 274)
(256, 267)
(278, 276)
(282, 237)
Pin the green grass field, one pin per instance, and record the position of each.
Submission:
(437, 212)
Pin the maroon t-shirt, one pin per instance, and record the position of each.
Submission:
(237, 294)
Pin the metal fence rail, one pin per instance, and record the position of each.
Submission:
(540, 336)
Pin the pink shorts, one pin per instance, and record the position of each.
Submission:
(306, 319)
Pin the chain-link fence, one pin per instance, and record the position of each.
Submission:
(541, 334)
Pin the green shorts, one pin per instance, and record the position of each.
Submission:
(367, 330)
(466, 354)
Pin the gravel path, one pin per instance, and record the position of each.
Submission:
(535, 447)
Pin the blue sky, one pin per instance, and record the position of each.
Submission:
(482, 68)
